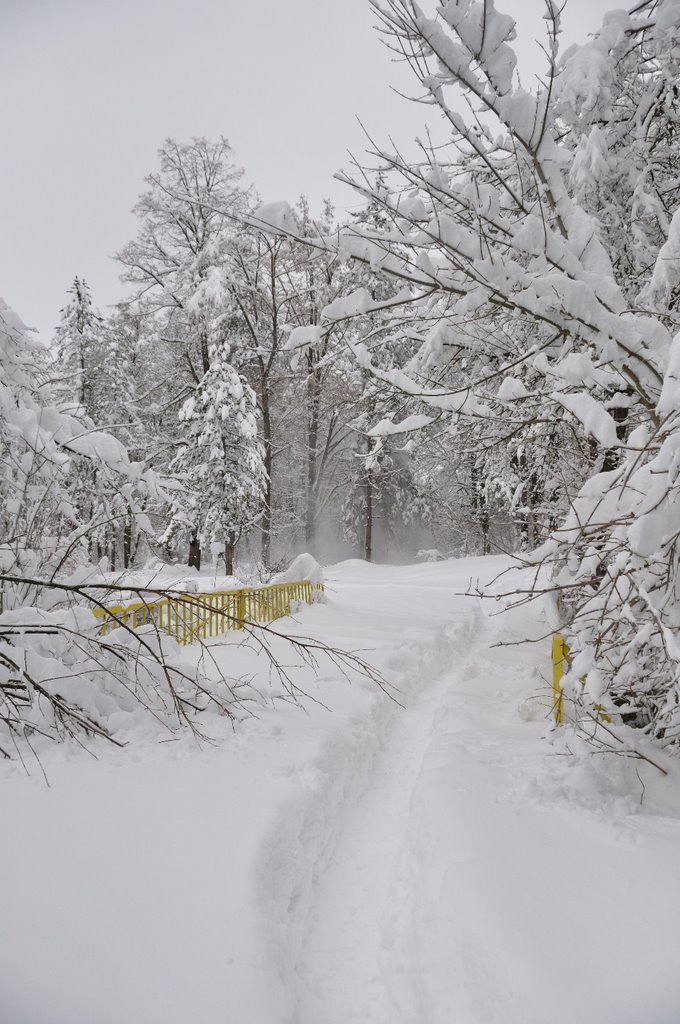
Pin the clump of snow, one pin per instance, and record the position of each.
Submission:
(594, 419)
(278, 216)
(388, 427)
(304, 567)
(358, 302)
(511, 389)
(303, 337)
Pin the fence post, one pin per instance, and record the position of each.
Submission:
(558, 672)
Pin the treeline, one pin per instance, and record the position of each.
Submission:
(258, 446)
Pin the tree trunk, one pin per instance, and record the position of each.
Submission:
(479, 505)
(313, 394)
(127, 543)
(368, 536)
(266, 520)
(524, 533)
(194, 551)
(486, 543)
(229, 546)
(612, 456)
(205, 354)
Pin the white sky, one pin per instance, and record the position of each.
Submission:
(91, 88)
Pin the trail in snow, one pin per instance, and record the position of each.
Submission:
(359, 962)
(449, 888)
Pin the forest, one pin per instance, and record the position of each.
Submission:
(482, 359)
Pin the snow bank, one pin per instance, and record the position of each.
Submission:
(304, 567)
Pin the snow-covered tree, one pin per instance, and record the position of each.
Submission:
(79, 348)
(58, 676)
(221, 463)
(384, 497)
(91, 378)
(278, 284)
(556, 209)
(183, 240)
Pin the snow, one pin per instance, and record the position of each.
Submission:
(157, 575)
(594, 419)
(277, 216)
(304, 567)
(358, 302)
(387, 427)
(369, 862)
(670, 393)
(303, 337)
(665, 277)
(511, 389)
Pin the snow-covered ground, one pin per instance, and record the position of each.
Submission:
(436, 861)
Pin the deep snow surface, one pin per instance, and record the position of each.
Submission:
(438, 862)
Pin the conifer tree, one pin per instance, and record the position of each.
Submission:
(221, 463)
(79, 347)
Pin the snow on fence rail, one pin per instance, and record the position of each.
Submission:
(201, 616)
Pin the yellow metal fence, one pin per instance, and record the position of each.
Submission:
(561, 661)
(190, 617)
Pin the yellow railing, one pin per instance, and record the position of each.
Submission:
(190, 617)
(561, 658)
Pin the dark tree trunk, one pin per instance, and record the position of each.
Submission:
(480, 506)
(194, 551)
(368, 536)
(524, 534)
(229, 546)
(612, 456)
(486, 542)
(313, 394)
(127, 543)
(611, 460)
(205, 354)
(268, 464)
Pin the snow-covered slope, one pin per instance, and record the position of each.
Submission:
(435, 861)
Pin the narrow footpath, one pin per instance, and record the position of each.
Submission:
(471, 874)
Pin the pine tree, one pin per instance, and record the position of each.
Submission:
(79, 346)
(221, 463)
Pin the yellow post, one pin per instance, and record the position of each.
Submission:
(558, 655)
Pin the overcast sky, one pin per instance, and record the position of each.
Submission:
(91, 88)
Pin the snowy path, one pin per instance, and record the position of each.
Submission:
(465, 883)
(434, 863)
